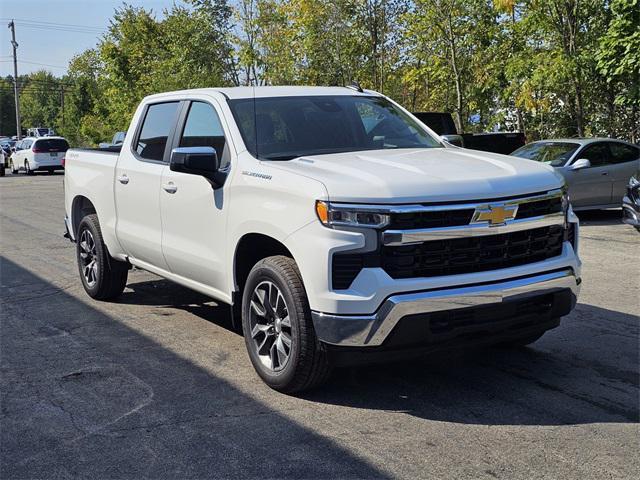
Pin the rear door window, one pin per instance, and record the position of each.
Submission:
(621, 153)
(52, 145)
(156, 127)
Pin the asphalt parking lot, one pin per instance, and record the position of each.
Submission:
(157, 385)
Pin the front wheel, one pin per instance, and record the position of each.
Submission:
(278, 329)
(102, 276)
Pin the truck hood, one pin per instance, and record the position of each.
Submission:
(424, 175)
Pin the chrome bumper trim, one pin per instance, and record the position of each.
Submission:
(372, 330)
(404, 237)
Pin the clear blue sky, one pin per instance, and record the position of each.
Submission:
(51, 32)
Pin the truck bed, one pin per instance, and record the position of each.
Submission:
(90, 172)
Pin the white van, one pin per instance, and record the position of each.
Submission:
(44, 153)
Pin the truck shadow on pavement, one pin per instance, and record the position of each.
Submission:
(585, 371)
(86, 396)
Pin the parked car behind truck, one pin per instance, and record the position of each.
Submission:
(337, 226)
(38, 154)
(597, 170)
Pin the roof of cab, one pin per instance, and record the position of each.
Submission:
(262, 92)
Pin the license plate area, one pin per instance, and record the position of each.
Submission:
(53, 154)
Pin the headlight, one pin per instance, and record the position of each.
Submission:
(345, 215)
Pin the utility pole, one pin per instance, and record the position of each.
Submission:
(12, 26)
(62, 103)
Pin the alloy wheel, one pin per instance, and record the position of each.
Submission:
(270, 326)
(88, 258)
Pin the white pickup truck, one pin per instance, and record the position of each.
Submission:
(339, 227)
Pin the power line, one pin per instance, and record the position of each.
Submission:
(35, 63)
(71, 26)
(56, 29)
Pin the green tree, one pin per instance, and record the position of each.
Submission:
(618, 59)
(7, 107)
(40, 99)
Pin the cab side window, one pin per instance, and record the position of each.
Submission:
(156, 127)
(203, 129)
(597, 154)
(621, 153)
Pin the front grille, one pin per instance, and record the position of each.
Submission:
(453, 256)
(539, 207)
(430, 219)
(473, 254)
(453, 218)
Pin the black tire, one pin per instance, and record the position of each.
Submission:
(522, 341)
(14, 170)
(307, 365)
(108, 277)
(27, 169)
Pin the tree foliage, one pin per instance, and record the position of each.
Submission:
(546, 67)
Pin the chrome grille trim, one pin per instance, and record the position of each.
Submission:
(475, 228)
(454, 206)
(393, 238)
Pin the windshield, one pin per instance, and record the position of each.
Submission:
(555, 154)
(291, 127)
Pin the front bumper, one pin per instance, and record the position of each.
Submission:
(373, 330)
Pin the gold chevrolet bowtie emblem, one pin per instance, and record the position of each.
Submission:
(496, 215)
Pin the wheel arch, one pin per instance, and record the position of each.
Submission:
(80, 207)
(250, 249)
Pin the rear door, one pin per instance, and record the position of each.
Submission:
(591, 186)
(193, 213)
(137, 183)
(625, 161)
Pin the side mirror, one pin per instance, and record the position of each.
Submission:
(201, 161)
(580, 164)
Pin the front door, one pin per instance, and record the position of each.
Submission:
(590, 186)
(137, 184)
(193, 213)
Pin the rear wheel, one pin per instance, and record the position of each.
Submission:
(27, 168)
(102, 276)
(278, 329)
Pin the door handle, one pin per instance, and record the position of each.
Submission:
(123, 179)
(170, 187)
(604, 173)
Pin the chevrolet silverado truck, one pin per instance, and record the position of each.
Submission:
(338, 227)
